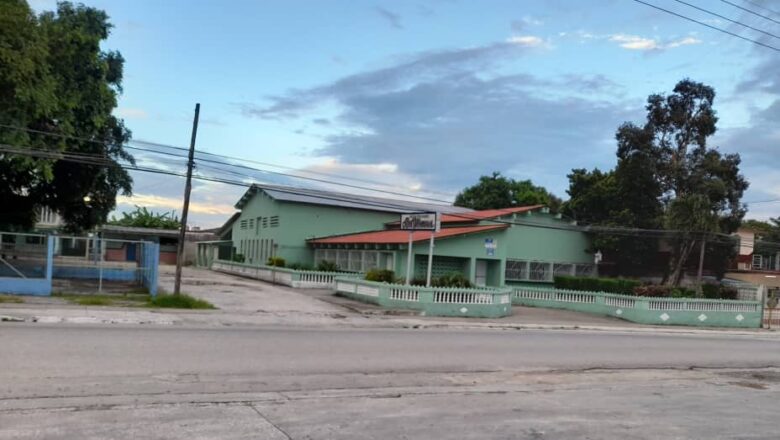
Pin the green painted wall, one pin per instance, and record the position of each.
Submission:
(299, 222)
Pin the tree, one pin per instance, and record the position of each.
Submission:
(58, 80)
(693, 179)
(497, 191)
(765, 230)
(143, 218)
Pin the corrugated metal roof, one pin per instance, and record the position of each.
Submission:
(398, 236)
(345, 200)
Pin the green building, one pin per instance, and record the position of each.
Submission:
(358, 233)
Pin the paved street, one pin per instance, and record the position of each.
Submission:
(95, 382)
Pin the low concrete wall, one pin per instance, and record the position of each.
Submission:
(94, 272)
(300, 279)
(646, 310)
(431, 301)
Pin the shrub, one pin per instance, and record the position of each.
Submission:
(682, 292)
(710, 291)
(238, 258)
(727, 292)
(275, 262)
(591, 284)
(380, 275)
(181, 301)
(328, 266)
(454, 279)
(300, 266)
(653, 290)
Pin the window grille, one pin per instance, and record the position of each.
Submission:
(516, 270)
(243, 224)
(584, 270)
(343, 259)
(540, 271)
(251, 223)
(355, 261)
(371, 261)
(563, 269)
(274, 222)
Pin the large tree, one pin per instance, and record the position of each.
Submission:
(666, 178)
(56, 83)
(497, 191)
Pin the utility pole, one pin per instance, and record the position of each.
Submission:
(186, 208)
(699, 289)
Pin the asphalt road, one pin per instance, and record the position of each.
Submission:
(95, 382)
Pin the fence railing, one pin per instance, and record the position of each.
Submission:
(301, 279)
(432, 301)
(646, 310)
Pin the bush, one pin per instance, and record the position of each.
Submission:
(591, 284)
(275, 262)
(181, 301)
(300, 266)
(716, 291)
(653, 290)
(328, 266)
(380, 275)
(454, 279)
(238, 258)
(682, 292)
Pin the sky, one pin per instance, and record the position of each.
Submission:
(425, 96)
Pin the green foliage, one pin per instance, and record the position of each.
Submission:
(300, 266)
(143, 218)
(765, 230)
(380, 275)
(10, 299)
(454, 279)
(275, 262)
(497, 191)
(55, 78)
(181, 301)
(327, 266)
(592, 284)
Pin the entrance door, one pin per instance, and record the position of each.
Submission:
(480, 277)
(130, 252)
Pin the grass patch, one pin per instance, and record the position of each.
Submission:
(121, 300)
(182, 301)
(10, 299)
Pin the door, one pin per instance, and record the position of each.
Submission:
(130, 252)
(480, 276)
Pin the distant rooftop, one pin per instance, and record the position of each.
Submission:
(345, 200)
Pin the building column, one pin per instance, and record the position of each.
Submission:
(472, 272)
(502, 272)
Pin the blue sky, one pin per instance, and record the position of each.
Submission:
(427, 95)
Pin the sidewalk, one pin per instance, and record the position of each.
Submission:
(248, 303)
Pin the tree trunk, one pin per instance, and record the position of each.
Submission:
(677, 263)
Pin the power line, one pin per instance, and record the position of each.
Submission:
(155, 144)
(684, 17)
(760, 6)
(750, 11)
(728, 19)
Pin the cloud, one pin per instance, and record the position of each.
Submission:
(406, 71)
(171, 203)
(390, 17)
(634, 42)
(524, 23)
(444, 118)
(764, 78)
(131, 113)
(526, 40)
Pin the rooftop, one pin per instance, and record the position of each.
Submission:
(398, 236)
(346, 200)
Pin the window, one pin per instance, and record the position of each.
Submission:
(355, 261)
(758, 261)
(540, 271)
(243, 224)
(265, 222)
(33, 239)
(563, 269)
(274, 222)
(251, 223)
(584, 270)
(370, 261)
(343, 259)
(516, 270)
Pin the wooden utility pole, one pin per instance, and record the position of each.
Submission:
(186, 208)
(699, 289)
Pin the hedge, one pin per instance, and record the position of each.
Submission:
(609, 285)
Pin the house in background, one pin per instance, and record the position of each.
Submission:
(758, 261)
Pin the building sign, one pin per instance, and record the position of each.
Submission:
(427, 221)
(491, 246)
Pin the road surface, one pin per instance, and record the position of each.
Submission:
(97, 382)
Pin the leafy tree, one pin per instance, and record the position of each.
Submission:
(143, 218)
(765, 230)
(55, 78)
(701, 189)
(497, 191)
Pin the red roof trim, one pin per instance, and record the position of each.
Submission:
(398, 236)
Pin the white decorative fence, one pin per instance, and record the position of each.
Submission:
(301, 279)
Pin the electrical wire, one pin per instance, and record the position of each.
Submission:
(684, 17)
(760, 6)
(750, 11)
(715, 14)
